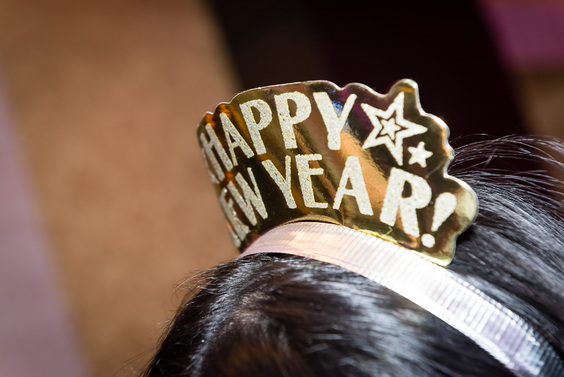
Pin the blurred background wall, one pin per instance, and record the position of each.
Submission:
(104, 97)
(104, 204)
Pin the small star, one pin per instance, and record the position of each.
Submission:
(419, 155)
(393, 130)
(390, 128)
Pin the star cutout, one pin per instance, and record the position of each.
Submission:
(390, 131)
(419, 155)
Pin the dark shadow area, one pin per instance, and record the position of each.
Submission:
(445, 47)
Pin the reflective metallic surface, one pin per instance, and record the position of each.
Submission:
(350, 156)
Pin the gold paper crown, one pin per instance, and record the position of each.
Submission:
(350, 156)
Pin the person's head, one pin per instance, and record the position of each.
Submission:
(340, 200)
(284, 315)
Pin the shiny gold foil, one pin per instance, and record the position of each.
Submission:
(312, 151)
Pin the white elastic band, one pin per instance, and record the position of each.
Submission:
(496, 329)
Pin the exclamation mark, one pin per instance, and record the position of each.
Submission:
(444, 207)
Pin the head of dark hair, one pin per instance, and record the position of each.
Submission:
(281, 315)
